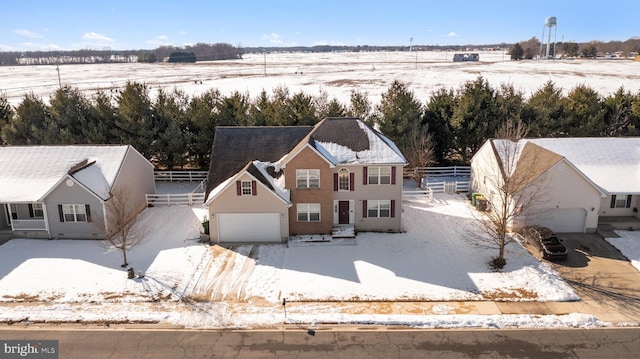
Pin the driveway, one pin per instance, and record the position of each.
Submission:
(598, 272)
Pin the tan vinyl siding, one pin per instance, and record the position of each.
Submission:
(264, 201)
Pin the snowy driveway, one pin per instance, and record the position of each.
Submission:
(432, 261)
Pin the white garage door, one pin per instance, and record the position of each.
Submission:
(564, 220)
(249, 227)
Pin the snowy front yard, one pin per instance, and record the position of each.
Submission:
(432, 261)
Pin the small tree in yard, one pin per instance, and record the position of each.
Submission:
(419, 151)
(517, 185)
(122, 231)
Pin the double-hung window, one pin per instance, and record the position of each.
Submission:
(36, 210)
(74, 213)
(378, 208)
(308, 212)
(379, 175)
(621, 201)
(307, 178)
(246, 188)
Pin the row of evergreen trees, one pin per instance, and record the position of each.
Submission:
(175, 130)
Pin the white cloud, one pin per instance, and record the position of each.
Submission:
(27, 33)
(273, 38)
(92, 36)
(451, 34)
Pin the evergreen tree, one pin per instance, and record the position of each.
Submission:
(361, 107)
(517, 52)
(437, 116)
(69, 110)
(619, 117)
(475, 118)
(544, 111)
(399, 113)
(135, 121)
(6, 115)
(28, 125)
(201, 115)
(300, 110)
(100, 126)
(233, 110)
(584, 115)
(170, 115)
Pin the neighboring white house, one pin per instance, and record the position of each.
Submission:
(588, 180)
(61, 191)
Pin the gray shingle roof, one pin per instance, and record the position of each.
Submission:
(234, 147)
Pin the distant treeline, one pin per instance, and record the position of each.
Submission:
(201, 51)
(174, 130)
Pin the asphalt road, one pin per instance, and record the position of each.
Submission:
(351, 343)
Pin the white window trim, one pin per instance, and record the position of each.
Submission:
(379, 176)
(74, 210)
(376, 204)
(305, 175)
(306, 208)
(38, 210)
(341, 180)
(246, 188)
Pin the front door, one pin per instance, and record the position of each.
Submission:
(343, 212)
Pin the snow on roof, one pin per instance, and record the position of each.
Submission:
(28, 173)
(277, 183)
(613, 164)
(380, 151)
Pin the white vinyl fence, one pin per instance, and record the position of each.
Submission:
(173, 199)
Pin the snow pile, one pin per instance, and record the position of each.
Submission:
(629, 245)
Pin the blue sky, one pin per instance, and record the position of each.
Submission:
(146, 24)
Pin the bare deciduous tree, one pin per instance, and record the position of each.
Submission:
(122, 229)
(515, 186)
(420, 152)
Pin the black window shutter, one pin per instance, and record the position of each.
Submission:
(393, 208)
(393, 175)
(364, 209)
(60, 213)
(254, 188)
(613, 201)
(628, 201)
(30, 210)
(335, 182)
(352, 181)
(238, 188)
(365, 175)
(88, 210)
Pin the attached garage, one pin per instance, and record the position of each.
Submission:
(249, 227)
(564, 220)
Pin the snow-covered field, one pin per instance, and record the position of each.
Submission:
(243, 286)
(337, 74)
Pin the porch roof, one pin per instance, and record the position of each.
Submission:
(28, 173)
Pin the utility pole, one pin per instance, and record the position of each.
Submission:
(264, 52)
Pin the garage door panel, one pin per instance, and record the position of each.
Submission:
(562, 220)
(249, 227)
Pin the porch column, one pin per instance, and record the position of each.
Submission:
(46, 219)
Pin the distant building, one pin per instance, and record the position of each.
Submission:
(466, 57)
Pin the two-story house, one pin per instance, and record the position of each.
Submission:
(268, 183)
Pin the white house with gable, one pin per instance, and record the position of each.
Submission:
(589, 181)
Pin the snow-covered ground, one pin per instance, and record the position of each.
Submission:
(337, 74)
(629, 245)
(197, 285)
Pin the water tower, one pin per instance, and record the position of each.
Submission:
(550, 23)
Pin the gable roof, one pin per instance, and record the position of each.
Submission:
(234, 147)
(523, 162)
(351, 141)
(29, 173)
(612, 163)
(338, 140)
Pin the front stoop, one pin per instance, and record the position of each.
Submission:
(343, 232)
